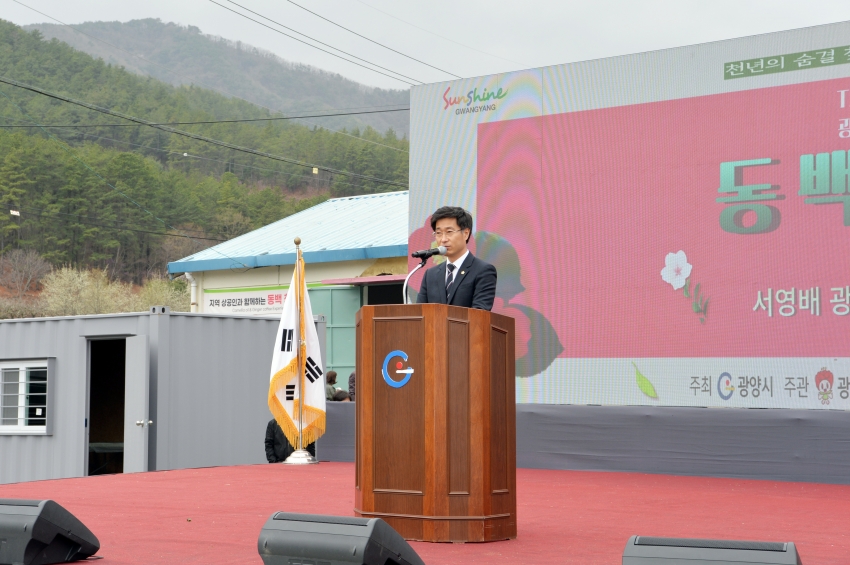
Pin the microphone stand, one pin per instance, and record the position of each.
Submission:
(404, 288)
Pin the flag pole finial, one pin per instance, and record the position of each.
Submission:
(297, 241)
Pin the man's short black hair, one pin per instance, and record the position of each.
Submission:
(463, 218)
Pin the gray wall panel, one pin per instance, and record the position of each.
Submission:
(59, 455)
(787, 445)
(216, 391)
(159, 344)
(338, 442)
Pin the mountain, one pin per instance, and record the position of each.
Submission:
(53, 65)
(183, 55)
(99, 194)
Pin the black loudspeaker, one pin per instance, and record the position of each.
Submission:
(643, 550)
(308, 539)
(39, 532)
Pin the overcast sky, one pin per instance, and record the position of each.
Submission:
(466, 38)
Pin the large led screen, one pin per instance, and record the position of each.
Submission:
(687, 245)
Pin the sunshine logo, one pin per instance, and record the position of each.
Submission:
(471, 97)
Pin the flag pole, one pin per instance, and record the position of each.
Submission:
(300, 456)
(300, 342)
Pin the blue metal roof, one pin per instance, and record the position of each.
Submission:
(341, 229)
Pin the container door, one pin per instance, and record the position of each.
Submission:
(136, 388)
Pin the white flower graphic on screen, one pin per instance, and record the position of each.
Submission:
(676, 269)
(677, 272)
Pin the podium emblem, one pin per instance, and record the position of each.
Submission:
(400, 369)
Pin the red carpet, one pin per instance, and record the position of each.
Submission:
(564, 516)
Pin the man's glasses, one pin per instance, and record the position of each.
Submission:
(447, 233)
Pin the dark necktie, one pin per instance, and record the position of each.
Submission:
(451, 278)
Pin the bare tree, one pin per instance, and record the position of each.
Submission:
(176, 248)
(69, 292)
(21, 270)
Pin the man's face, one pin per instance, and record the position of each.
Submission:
(449, 235)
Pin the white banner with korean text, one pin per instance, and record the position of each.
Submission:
(821, 383)
(252, 301)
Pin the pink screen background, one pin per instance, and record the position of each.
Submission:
(593, 201)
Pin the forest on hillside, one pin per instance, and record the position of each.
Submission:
(183, 55)
(130, 199)
(70, 216)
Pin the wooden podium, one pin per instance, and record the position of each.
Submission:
(436, 422)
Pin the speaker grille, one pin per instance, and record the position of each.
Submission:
(712, 543)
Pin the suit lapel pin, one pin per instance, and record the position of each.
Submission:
(463, 272)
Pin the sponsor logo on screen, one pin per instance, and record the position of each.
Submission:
(400, 369)
(823, 382)
(473, 101)
(724, 386)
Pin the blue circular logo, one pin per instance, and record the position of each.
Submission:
(400, 369)
(724, 386)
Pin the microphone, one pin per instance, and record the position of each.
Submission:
(425, 253)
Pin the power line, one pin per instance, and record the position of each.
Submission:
(370, 40)
(186, 155)
(211, 87)
(239, 121)
(196, 136)
(440, 36)
(317, 41)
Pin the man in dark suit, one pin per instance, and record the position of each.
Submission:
(463, 279)
(278, 447)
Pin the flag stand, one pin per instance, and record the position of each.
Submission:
(300, 456)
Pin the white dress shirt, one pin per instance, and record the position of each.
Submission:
(457, 265)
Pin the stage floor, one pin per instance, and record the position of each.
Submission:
(213, 516)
